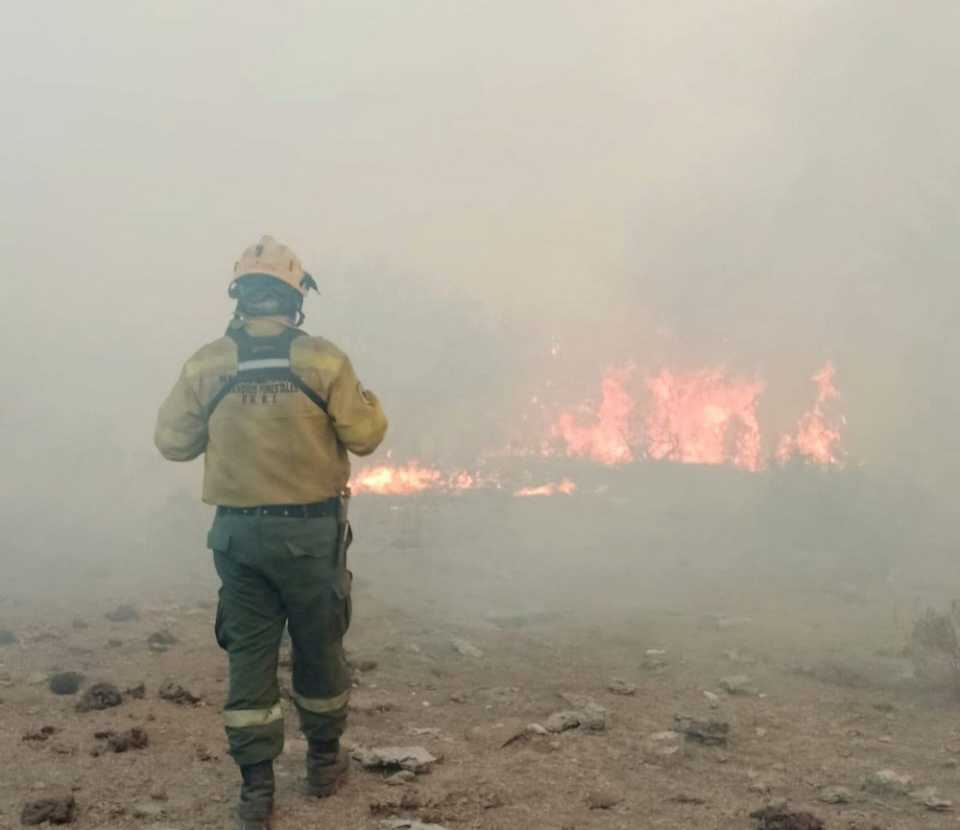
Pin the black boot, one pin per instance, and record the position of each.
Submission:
(256, 797)
(327, 766)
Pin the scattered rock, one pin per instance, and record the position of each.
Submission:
(930, 798)
(562, 721)
(100, 696)
(621, 687)
(408, 824)
(413, 758)
(888, 782)
(114, 643)
(707, 732)
(777, 817)
(589, 714)
(110, 741)
(136, 692)
(175, 693)
(52, 810)
(603, 800)
(65, 682)
(465, 648)
(123, 613)
(41, 734)
(736, 684)
(400, 778)
(7, 637)
(161, 640)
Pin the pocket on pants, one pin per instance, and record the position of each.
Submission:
(314, 539)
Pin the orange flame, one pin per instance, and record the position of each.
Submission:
(704, 417)
(566, 487)
(607, 440)
(816, 437)
(396, 481)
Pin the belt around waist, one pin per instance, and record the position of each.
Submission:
(330, 507)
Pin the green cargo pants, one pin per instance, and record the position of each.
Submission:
(278, 570)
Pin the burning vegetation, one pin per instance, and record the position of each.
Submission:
(705, 416)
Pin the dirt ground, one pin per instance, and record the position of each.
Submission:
(461, 650)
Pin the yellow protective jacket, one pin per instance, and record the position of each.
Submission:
(269, 443)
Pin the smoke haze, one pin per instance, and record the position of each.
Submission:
(754, 185)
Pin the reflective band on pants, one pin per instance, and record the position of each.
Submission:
(322, 705)
(242, 718)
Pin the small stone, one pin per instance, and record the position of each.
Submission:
(736, 684)
(458, 697)
(79, 624)
(52, 810)
(401, 778)
(562, 721)
(65, 682)
(123, 613)
(760, 787)
(465, 648)
(175, 693)
(888, 782)
(159, 794)
(760, 732)
(114, 643)
(111, 741)
(707, 732)
(930, 798)
(776, 817)
(412, 758)
(621, 687)
(100, 696)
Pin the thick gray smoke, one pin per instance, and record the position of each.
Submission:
(759, 185)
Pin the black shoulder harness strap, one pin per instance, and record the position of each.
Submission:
(261, 359)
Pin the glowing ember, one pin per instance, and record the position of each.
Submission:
(565, 487)
(397, 481)
(609, 437)
(704, 417)
(817, 435)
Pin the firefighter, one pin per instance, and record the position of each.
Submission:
(275, 411)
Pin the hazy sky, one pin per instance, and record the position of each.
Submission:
(761, 184)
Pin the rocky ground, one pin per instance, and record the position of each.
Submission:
(662, 695)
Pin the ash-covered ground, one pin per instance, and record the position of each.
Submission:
(669, 647)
